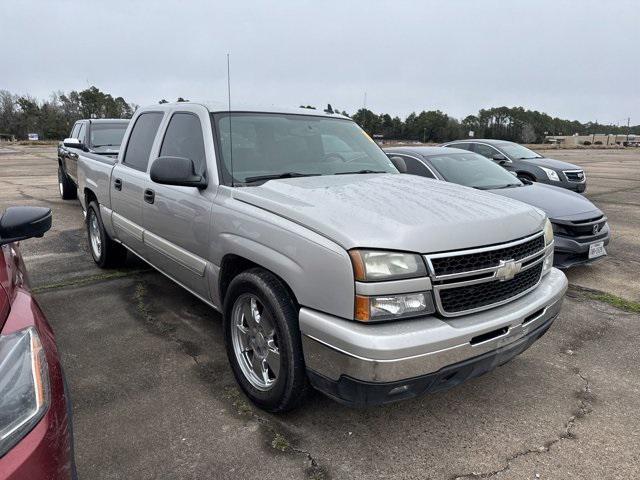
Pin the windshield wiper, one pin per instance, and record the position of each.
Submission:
(530, 158)
(274, 176)
(107, 145)
(498, 187)
(360, 172)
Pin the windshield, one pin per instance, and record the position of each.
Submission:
(518, 152)
(107, 134)
(271, 145)
(473, 170)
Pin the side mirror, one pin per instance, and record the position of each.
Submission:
(20, 223)
(500, 158)
(399, 163)
(178, 171)
(73, 143)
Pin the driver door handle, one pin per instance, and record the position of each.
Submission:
(149, 195)
(117, 184)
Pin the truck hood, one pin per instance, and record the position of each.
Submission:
(394, 211)
(552, 163)
(555, 201)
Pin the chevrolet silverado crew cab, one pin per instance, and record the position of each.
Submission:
(99, 138)
(330, 268)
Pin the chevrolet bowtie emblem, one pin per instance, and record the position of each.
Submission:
(507, 269)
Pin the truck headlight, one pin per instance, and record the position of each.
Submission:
(24, 386)
(548, 240)
(376, 265)
(391, 307)
(551, 174)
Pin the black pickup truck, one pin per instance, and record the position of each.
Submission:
(100, 137)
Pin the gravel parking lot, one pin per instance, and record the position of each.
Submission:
(154, 396)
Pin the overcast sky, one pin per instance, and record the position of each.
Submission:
(574, 59)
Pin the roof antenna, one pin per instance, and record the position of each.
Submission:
(229, 111)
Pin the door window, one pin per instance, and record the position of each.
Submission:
(183, 138)
(82, 132)
(75, 130)
(415, 167)
(485, 150)
(463, 146)
(141, 140)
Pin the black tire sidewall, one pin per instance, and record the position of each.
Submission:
(261, 283)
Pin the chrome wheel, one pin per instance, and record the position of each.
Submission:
(60, 185)
(94, 234)
(255, 342)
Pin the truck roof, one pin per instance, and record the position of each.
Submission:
(221, 107)
(105, 120)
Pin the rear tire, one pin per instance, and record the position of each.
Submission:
(263, 343)
(105, 252)
(66, 187)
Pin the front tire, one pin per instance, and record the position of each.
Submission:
(105, 252)
(262, 338)
(66, 188)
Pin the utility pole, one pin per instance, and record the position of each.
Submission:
(628, 128)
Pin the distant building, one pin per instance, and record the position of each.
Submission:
(593, 139)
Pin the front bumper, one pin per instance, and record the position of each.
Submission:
(372, 364)
(569, 252)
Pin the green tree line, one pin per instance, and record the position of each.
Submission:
(53, 118)
(507, 123)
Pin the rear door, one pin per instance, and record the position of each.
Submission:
(129, 180)
(177, 219)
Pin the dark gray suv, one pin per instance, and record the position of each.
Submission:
(526, 163)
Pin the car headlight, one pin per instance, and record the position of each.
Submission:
(376, 265)
(548, 240)
(551, 174)
(24, 386)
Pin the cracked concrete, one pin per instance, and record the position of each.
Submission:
(154, 396)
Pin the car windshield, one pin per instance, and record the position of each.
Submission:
(473, 170)
(263, 146)
(107, 134)
(518, 152)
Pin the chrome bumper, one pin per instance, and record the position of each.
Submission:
(334, 347)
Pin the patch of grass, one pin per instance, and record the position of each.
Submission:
(90, 279)
(280, 443)
(618, 302)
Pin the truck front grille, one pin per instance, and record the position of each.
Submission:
(485, 259)
(454, 300)
(478, 279)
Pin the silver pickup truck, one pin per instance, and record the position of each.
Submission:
(330, 268)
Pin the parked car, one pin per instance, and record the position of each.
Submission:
(526, 163)
(35, 411)
(581, 229)
(333, 271)
(99, 138)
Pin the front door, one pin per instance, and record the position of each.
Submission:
(177, 219)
